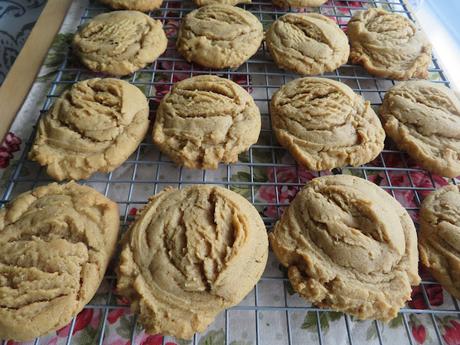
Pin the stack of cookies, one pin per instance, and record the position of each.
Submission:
(191, 253)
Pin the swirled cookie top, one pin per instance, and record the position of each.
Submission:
(205, 120)
(324, 124)
(343, 239)
(55, 244)
(119, 42)
(219, 36)
(388, 44)
(423, 118)
(440, 236)
(92, 127)
(189, 254)
(308, 44)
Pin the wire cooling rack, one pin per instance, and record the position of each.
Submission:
(266, 169)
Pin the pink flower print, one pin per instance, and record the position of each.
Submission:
(452, 333)
(83, 319)
(115, 314)
(419, 333)
(171, 27)
(285, 192)
(10, 144)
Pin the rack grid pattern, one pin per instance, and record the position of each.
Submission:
(148, 171)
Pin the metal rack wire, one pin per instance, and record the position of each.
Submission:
(150, 171)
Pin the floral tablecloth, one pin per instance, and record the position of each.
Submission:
(273, 291)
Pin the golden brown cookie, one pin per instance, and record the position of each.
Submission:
(55, 244)
(190, 254)
(324, 124)
(388, 45)
(119, 42)
(219, 36)
(205, 120)
(136, 5)
(298, 3)
(92, 127)
(223, 2)
(423, 118)
(439, 238)
(348, 245)
(307, 43)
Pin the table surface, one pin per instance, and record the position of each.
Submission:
(17, 19)
(440, 20)
(266, 175)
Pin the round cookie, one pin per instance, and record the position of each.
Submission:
(324, 124)
(348, 245)
(205, 120)
(136, 5)
(307, 43)
(439, 237)
(423, 118)
(219, 36)
(224, 2)
(119, 42)
(213, 250)
(298, 3)
(55, 244)
(388, 45)
(92, 127)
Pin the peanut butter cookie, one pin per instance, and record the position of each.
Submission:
(136, 5)
(423, 118)
(324, 124)
(119, 42)
(55, 244)
(190, 254)
(92, 127)
(439, 239)
(205, 120)
(298, 3)
(307, 43)
(350, 246)
(219, 36)
(388, 45)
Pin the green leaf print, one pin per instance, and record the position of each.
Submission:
(59, 48)
(396, 322)
(56, 56)
(243, 190)
(183, 342)
(310, 321)
(88, 336)
(124, 328)
(213, 338)
(371, 332)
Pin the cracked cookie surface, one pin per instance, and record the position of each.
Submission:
(55, 244)
(190, 254)
(119, 42)
(388, 45)
(298, 3)
(439, 238)
(92, 127)
(137, 5)
(205, 120)
(423, 118)
(350, 246)
(307, 43)
(219, 36)
(324, 124)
